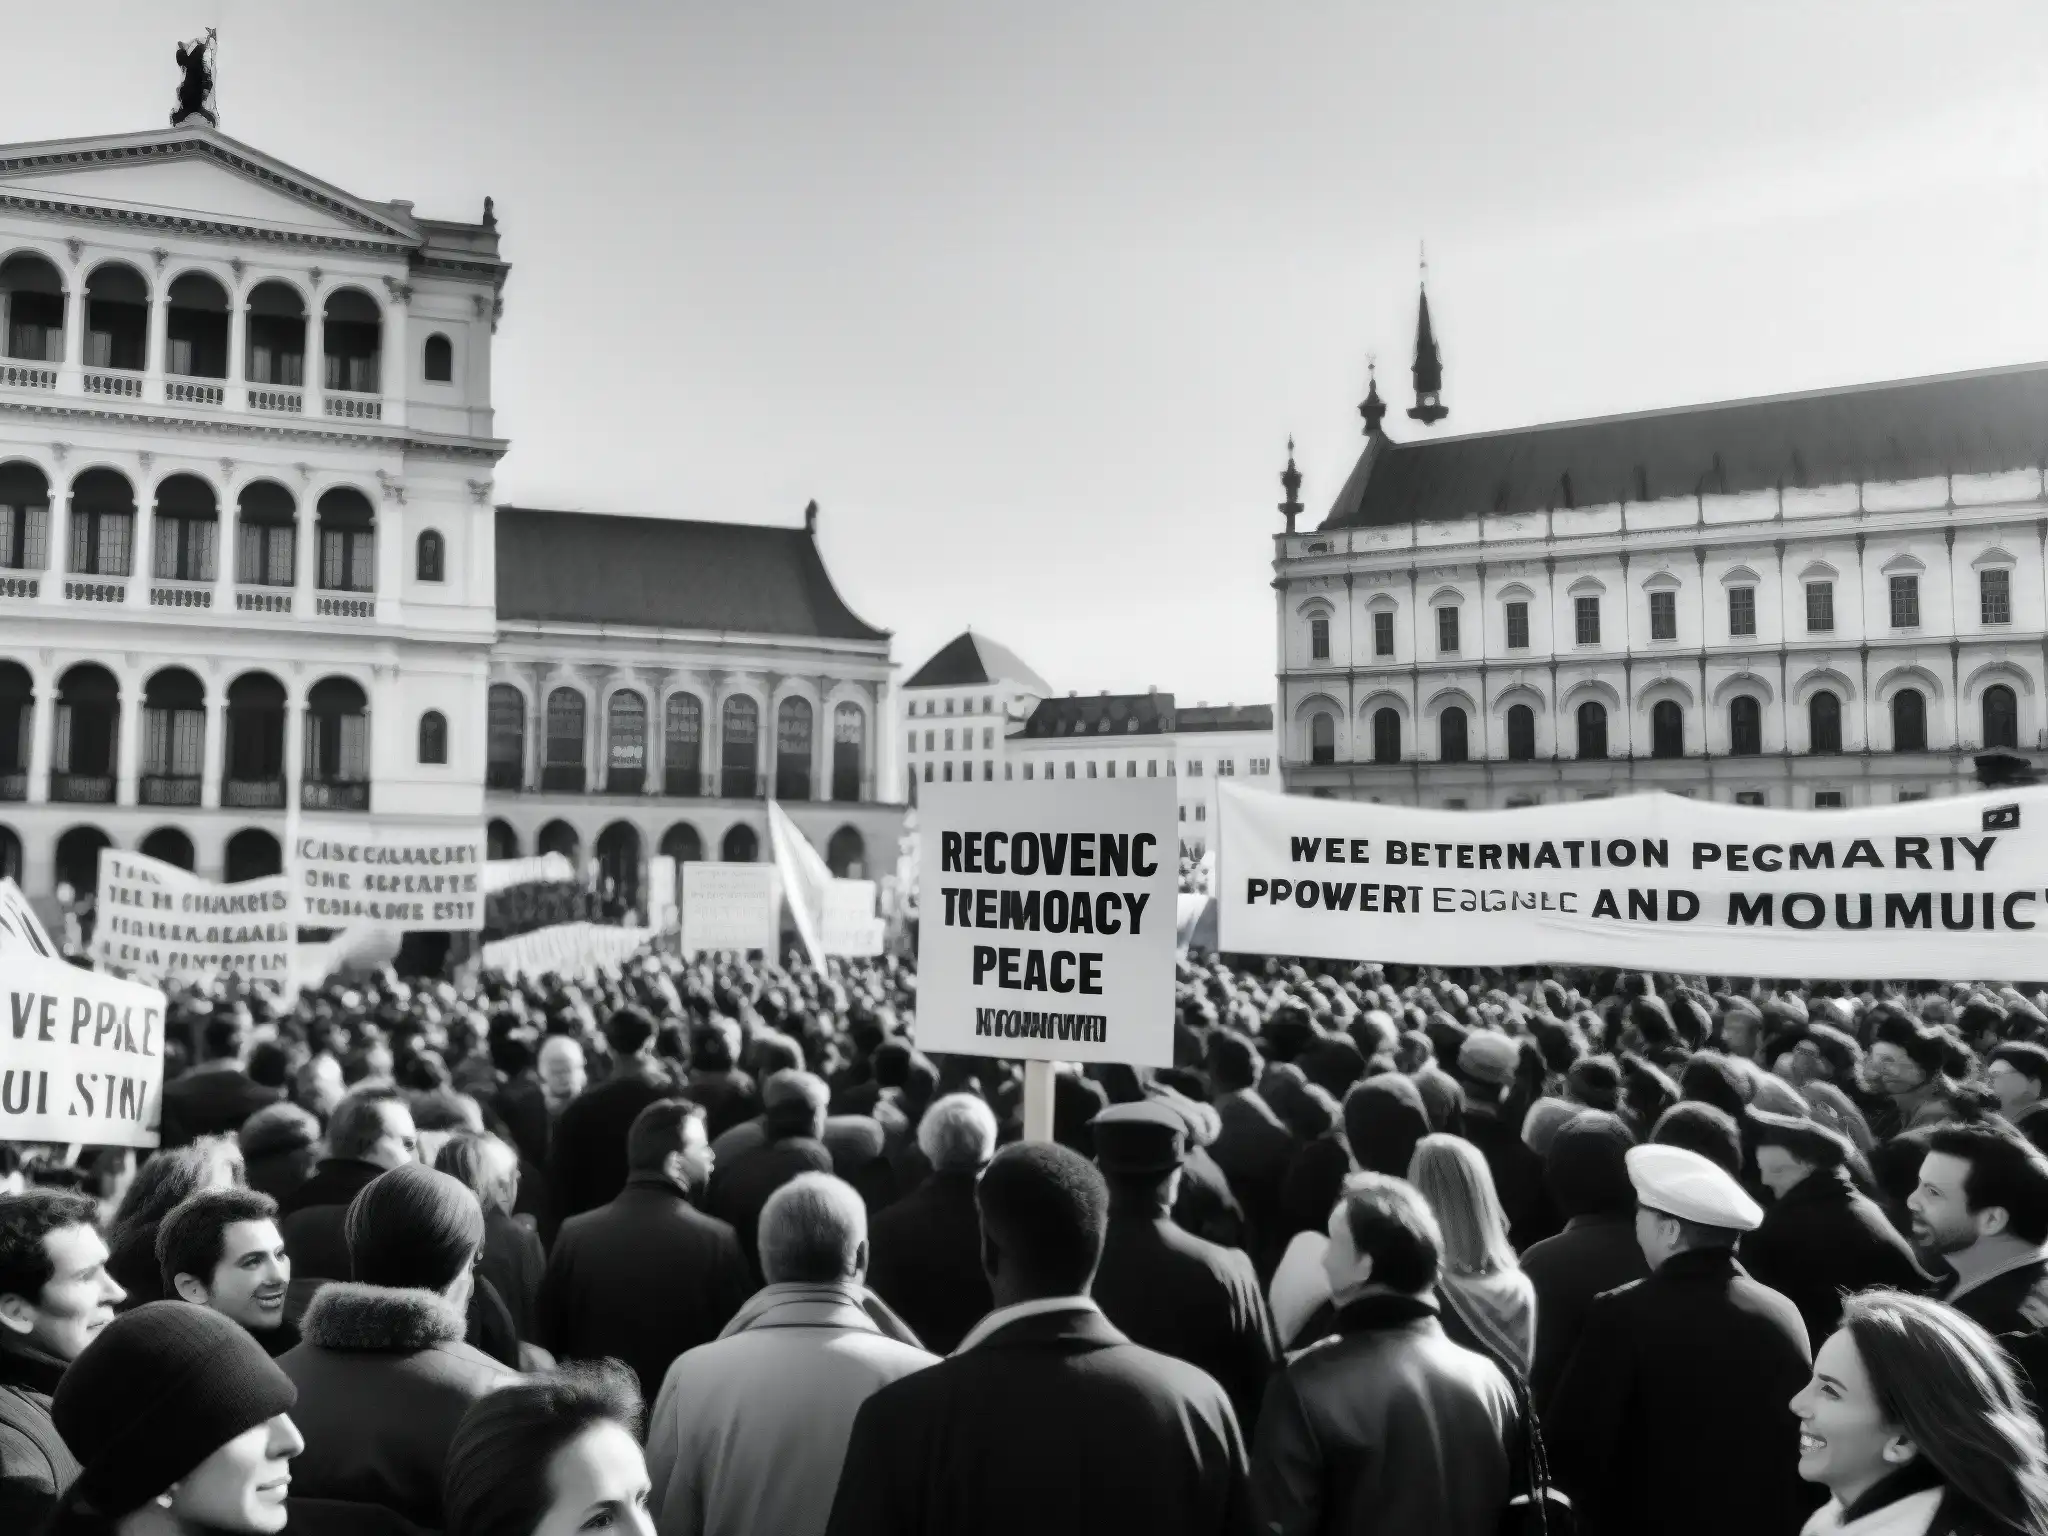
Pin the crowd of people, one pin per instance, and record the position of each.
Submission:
(710, 1246)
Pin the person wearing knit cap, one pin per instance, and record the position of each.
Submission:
(1646, 1092)
(1546, 1117)
(1672, 1417)
(382, 1369)
(1821, 1238)
(2018, 1073)
(1594, 1082)
(1442, 1098)
(1487, 1066)
(1906, 1063)
(1597, 1250)
(1164, 1287)
(1206, 1206)
(174, 1406)
(1706, 1129)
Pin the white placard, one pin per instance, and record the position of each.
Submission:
(1046, 921)
(661, 893)
(850, 926)
(81, 1055)
(20, 928)
(165, 924)
(415, 879)
(1954, 888)
(575, 951)
(730, 907)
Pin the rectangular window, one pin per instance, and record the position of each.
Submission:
(928, 737)
(949, 773)
(1195, 769)
(1663, 615)
(24, 537)
(1751, 797)
(1201, 813)
(988, 738)
(1906, 796)
(1183, 813)
(1383, 634)
(927, 773)
(1742, 610)
(1151, 767)
(1112, 768)
(1070, 770)
(949, 741)
(1820, 607)
(913, 741)
(184, 549)
(1586, 618)
(1318, 639)
(1905, 602)
(1827, 800)
(1009, 772)
(1447, 631)
(99, 543)
(949, 706)
(1518, 626)
(1091, 769)
(988, 773)
(348, 560)
(1994, 592)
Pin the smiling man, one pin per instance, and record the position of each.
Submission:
(221, 1249)
(1982, 1209)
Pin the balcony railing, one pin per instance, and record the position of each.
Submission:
(194, 392)
(27, 376)
(625, 781)
(253, 794)
(337, 796)
(355, 407)
(504, 776)
(170, 789)
(562, 779)
(96, 591)
(286, 402)
(111, 381)
(19, 586)
(263, 601)
(345, 607)
(14, 784)
(82, 788)
(181, 594)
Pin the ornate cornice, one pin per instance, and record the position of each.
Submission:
(186, 224)
(279, 431)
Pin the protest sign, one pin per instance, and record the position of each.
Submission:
(416, 879)
(661, 893)
(575, 951)
(850, 926)
(730, 906)
(20, 928)
(542, 868)
(1931, 888)
(158, 921)
(81, 1055)
(805, 878)
(1046, 928)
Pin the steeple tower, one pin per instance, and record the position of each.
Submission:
(1429, 408)
(1290, 482)
(1372, 407)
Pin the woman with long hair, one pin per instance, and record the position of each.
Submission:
(1915, 1424)
(1488, 1303)
(549, 1456)
(211, 1162)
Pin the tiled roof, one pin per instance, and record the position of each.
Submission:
(668, 573)
(972, 661)
(1225, 717)
(1104, 714)
(1983, 422)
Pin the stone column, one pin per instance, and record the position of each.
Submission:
(237, 381)
(142, 567)
(226, 545)
(594, 731)
(537, 726)
(316, 356)
(156, 354)
(306, 558)
(873, 774)
(42, 741)
(128, 743)
(657, 680)
(216, 749)
(71, 376)
(713, 746)
(822, 742)
(294, 747)
(57, 556)
(768, 739)
(394, 361)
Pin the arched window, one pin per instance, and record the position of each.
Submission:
(17, 728)
(2001, 717)
(438, 359)
(1592, 729)
(625, 763)
(352, 341)
(740, 845)
(433, 737)
(102, 524)
(255, 744)
(1745, 726)
(1667, 729)
(682, 746)
(562, 767)
(431, 565)
(849, 750)
(1386, 735)
(793, 750)
(187, 530)
(739, 767)
(348, 541)
(1521, 734)
(266, 543)
(116, 318)
(1824, 723)
(87, 730)
(505, 735)
(1322, 739)
(1909, 721)
(337, 747)
(1450, 735)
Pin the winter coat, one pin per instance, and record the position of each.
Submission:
(1594, 1254)
(1821, 1240)
(35, 1464)
(925, 1259)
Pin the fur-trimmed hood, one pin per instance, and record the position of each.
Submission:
(345, 1315)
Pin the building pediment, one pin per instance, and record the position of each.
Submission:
(194, 178)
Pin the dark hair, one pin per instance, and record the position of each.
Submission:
(628, 1030)
(189, 1241)
(2006, 1171)
(224, 1036)
(1045, 1210)
(511, 1045)
(1708, 1077)
(2024, 1058)
(25, 1220)
(1945, 1382)
(496, 1482)
(358, 1124)
(1702, 1128)
(656, 1132)
(1391, 1223)
(271, 1065)
(168, 1179)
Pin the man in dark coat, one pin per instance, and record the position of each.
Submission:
(647, 1276)
(1163, 1287)
(1596, 1252)
(371, 1132)
(1821, 1238)
(1982, 1208)
(1673, 1417)
(1254, 1146)
(1487, 1063)
(216, 1096)
(924, 1252)
(1046, 1419)
(519, 1100)
(587, 1150)
(793, 1117)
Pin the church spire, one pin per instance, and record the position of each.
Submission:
(1290, 482)
(1429, 366)
(1372, 407)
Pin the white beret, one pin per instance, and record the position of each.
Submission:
(1684, 1184)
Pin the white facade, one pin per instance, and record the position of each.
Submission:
(959, 710)
(246, 551)
(1852, 640)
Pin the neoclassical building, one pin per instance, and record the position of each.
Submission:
(246, 449)
(656, 681)
(1822, 599)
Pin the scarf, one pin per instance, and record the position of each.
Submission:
(844, 1293)
(1499, 1310)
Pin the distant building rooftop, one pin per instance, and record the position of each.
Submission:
(973, 661)
(1137, 714)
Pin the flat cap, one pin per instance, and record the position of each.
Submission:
(1686, 1185)
(1145, 1137)
(1808, 1140)
(1489, 1057)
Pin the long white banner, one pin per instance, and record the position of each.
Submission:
(1954, 888)
(388, 875)
(163, 923)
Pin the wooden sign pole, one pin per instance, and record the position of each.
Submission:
(1038, 1101)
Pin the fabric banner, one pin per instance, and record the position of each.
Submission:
(805, 879)
(20, 928)
(541, 869)
(850, 926)
(1929, 889)
(157, 921)
(731, 907)
(81, 1055)
(661, 893)
(574, 951)
(1046, 921)
(1194, 924)
(411, 878)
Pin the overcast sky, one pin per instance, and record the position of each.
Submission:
(1029, 296)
